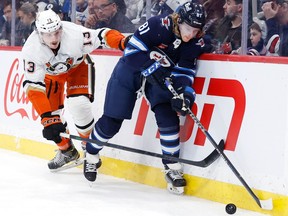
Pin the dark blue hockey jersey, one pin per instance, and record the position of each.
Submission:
(158, 32)
(126, 78)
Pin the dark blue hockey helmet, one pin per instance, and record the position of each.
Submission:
(192, 14)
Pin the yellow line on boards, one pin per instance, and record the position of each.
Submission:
(196, 186)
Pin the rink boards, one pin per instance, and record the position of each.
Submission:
(242, 100)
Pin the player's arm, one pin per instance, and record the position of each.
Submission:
(183, 75)
(34, 85)
(104, 37)
(36, 92)
(148, 35)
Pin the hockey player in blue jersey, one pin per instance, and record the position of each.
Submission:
(164, 46)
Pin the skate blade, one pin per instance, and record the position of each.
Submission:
(175, 190)
(70, 165)
(91, 184)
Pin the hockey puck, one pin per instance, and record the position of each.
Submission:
(230, 208)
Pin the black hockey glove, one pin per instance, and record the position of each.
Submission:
(154, 73)
(52, 127)
(184, 102)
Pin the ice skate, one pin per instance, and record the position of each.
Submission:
(91, 164)
(174, 178)
(65, 159)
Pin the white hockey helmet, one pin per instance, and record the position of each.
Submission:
(48, 21)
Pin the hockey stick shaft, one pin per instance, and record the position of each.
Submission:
(203, 163)
(265, 204)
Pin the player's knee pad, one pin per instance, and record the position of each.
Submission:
(81, 111)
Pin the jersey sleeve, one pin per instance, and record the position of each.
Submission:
(103, 37)
(34, 86)
(152, 33)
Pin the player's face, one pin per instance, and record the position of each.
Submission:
(52, 39)
(187, 32)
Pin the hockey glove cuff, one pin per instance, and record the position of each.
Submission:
(53, 126)
(183, 103)
(123, 43)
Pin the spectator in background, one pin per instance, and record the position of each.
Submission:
(27, 14)
(6, 29)
(2, 18)
(256, 46)
(134, 9)
(215, 12)
(276, 16)
(57, 9)
(7, 15)
(158, 7)
(228, 34)
(111, 14)
(82, 11)
(92, 18)
(41, 4)
(66, 9)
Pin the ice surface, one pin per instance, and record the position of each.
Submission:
(27, 187)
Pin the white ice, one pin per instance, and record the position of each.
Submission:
(27, 187)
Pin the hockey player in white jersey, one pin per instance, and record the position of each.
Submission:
(55, 54)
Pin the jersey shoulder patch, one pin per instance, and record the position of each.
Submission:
(166, 22)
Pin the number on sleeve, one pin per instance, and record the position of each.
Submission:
(87, 38)
(143, 28)
(29, 67)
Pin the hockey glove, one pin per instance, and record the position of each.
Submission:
(183, 103)
(154, 73)
(52, 127)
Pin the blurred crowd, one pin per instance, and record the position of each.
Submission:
(267, 31)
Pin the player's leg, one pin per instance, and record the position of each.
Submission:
(80, 95)
(168, 125)
(105, 128)
(66, 152)
(119, 104)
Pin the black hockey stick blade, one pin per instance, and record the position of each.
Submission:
(202, 163)
(214, 155)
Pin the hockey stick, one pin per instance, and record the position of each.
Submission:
(265, 204)
(203, 163)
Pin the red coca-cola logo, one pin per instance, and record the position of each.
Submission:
(15, 99)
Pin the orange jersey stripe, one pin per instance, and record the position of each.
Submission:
(39, 101)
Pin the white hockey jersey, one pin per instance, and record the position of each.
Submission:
(76, 41)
